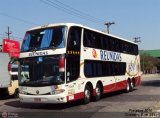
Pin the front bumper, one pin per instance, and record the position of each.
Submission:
(59, 98)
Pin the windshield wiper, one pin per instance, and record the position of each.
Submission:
(53, 47)
(44, 48)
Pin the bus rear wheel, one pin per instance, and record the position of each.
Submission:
(98, 92)
(87, 95)
(130, 86)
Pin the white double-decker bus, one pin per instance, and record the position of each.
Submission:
(66, 62)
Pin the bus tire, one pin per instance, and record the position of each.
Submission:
(127, 90)
(87, 95)
(98, 92)
(131, 86)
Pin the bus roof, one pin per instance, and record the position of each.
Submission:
(78, 25)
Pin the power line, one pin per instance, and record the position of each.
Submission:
(79, 12)
(70, 10)
(1, 37)
(66, 10)
(12, 36)
(1, 34)
(18, 19)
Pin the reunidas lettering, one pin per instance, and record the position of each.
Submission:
(38, 53)
(110, 56)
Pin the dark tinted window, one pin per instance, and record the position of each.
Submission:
(72, 68)
(44, 39)
(100, 41)
(73, 59)
(74, 38)
(41, 71)
(103, 68)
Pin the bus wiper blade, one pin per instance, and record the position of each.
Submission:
(44, 48)
(52, 47)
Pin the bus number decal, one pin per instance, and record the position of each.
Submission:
(110, 56)
(38, 53)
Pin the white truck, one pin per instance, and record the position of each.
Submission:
(5, 79)
(9, 51)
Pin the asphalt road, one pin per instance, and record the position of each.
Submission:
(144, 100)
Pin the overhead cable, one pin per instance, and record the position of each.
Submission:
(72, 11)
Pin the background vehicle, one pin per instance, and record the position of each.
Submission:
(9, 50)
(13, 71)
(5, 80)
(65, 62)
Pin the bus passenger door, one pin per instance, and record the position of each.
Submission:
(73, 61)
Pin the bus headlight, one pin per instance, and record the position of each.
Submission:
(57, 91)
(22, 90)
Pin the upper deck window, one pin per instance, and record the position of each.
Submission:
(44, 39)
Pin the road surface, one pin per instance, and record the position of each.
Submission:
(144, 100)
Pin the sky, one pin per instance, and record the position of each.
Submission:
(133, 18)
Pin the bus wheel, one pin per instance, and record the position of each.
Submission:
(87, 95)
(127, 90)
(130, 86)
(98, 92)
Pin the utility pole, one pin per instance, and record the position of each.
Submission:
(8, 33)
(108, 24)
(137, 39)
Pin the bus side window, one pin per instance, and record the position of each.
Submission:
(98, 43)
(93, 39)
(88, 69)
(102, 42)
(89, 39)
(117, 45)
(109, 43)
(85, 38)
(74, 38)
(73, 60)
(72, 69)
(124, 47)
(135, 49)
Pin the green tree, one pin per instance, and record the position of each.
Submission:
(149, 63)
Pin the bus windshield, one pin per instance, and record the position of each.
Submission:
(44, 39)
(40, 71)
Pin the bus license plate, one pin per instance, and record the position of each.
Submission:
(37, 99)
